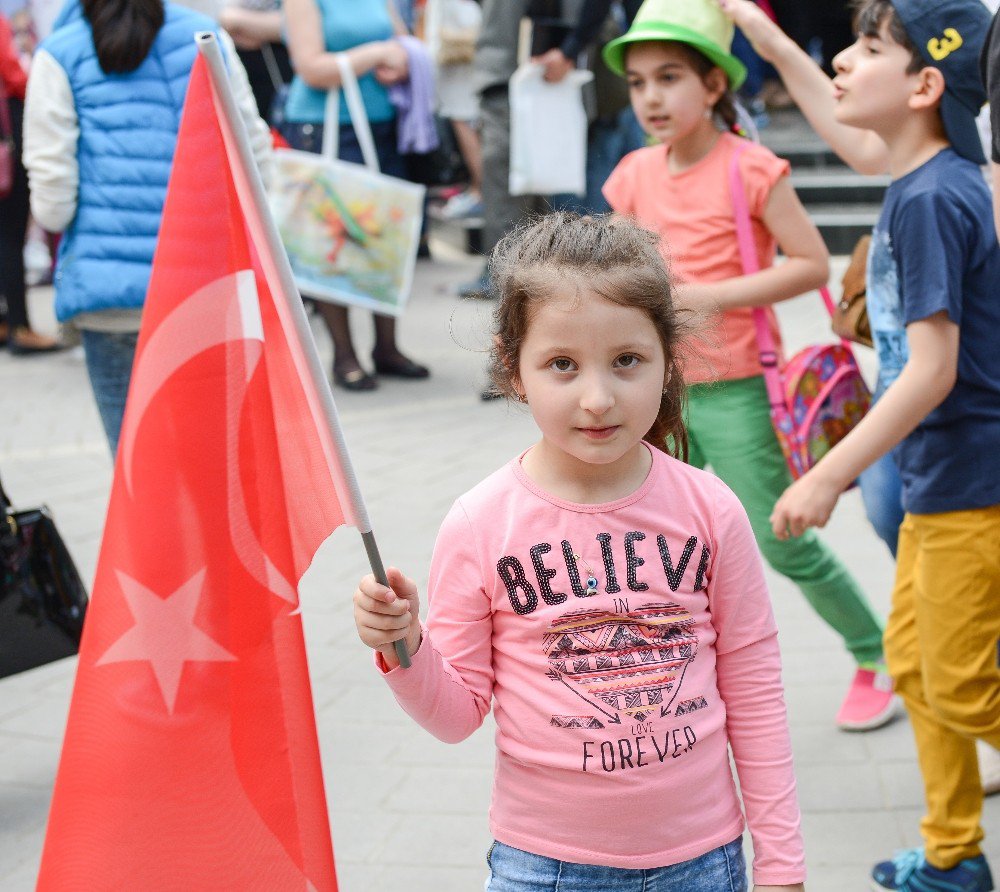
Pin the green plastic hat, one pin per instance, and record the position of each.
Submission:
(699, 23)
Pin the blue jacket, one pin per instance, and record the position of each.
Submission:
(128, 132)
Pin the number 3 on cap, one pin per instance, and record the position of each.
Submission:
(942, 47)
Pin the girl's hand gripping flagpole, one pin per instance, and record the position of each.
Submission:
(251, 188)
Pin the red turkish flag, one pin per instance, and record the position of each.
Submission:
(191, 759)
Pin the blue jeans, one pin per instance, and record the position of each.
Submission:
(511, 870)
(607, 143)
(882, 493)
(309, 138)
(109, 364)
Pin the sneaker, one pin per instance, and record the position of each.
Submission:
(909, 872)
(463, 206)
(989, 767)
(870, 702)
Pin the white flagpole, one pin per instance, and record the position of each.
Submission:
(289, 292)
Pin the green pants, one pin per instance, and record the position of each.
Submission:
(729, 428)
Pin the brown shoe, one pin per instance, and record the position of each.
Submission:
(23, 341)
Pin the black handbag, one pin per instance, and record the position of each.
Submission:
(42, 598)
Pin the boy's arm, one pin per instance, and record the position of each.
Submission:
(927, 378)
(809, 86)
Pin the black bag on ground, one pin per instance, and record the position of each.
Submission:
(42, 598)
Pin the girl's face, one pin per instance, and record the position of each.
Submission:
(592, 372)
(670, 99)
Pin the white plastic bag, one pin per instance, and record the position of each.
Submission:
(548, 133)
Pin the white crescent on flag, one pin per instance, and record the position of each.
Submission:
(222, 312)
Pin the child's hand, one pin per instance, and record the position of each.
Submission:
(808, 502)
(764, 34)
(384, 615)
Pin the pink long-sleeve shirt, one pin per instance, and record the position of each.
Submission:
(614, 709)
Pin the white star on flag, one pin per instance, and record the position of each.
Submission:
(164, 635)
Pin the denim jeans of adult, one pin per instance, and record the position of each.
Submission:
(109, 363)
(607, 143)
(309, 138)
(512, 870)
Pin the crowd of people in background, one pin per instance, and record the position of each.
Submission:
(92, 110)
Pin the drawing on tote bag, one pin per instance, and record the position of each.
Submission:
(351, 233)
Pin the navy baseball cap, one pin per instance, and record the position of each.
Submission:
(949, 34)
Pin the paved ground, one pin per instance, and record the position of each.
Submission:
(407, 811)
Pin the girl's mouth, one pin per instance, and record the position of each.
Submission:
(598, 433)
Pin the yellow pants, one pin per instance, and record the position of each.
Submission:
(941, 646)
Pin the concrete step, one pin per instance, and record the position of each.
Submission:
(837, 185)
(841, 225)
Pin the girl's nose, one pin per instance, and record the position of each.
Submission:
(597, 397)
(649, 94)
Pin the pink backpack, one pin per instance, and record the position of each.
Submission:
(819, 395)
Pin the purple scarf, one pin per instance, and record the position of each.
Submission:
(414, 100)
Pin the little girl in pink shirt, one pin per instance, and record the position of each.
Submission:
(606, 599)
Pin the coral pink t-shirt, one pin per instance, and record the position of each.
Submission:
(614, 709)
(693, 213)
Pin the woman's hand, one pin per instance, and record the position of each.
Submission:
(808, 502)
(394, 64)
(766, 37)
(250, 29)
(385, 615)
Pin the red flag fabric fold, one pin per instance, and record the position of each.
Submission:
(191, 759)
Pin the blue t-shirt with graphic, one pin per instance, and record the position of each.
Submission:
(935, 249)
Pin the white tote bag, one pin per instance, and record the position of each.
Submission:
(351, 233)
(548, 133)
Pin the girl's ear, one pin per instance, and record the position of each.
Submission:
(716, 83)
(517, 387)
(515, 381)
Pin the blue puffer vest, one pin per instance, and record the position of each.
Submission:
(128, 133)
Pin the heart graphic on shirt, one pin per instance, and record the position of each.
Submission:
(633, 663)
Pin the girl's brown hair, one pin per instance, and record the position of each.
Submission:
(608, 255)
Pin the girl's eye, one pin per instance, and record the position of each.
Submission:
(562, 364)
(627, 361)
(634, 84)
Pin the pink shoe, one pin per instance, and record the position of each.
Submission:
(870, 702)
